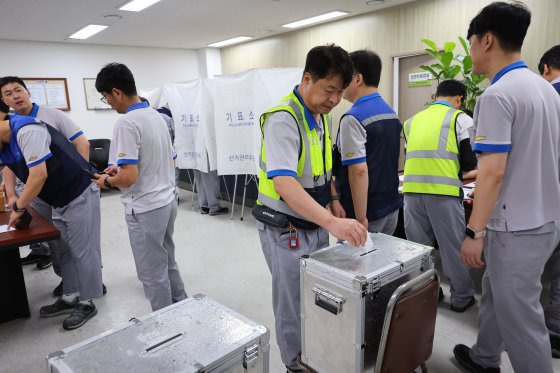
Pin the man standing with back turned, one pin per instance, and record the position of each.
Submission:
(517, 201)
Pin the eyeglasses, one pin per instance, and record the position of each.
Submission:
(103, 99)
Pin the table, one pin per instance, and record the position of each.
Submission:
(13, 295)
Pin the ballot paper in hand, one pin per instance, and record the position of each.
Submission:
(367, 246)
(4, 228)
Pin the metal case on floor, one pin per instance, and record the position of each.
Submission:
(344, 296)
(195, 335)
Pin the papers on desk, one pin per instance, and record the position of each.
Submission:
(4, 228)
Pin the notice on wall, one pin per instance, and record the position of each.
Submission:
(51, 92)
(420, 79)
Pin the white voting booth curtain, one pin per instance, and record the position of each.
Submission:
(184, 101)
(217, 120)
(239, 101)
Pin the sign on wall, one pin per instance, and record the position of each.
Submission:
(420, 79)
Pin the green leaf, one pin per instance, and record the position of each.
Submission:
(437, 66)
(429, 69)
(449, 46)
(464, 44)
(433, 54)
(467, 63)
(430, 44)
(446, 59)
(454, 71)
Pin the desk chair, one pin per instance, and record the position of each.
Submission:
(410, 321)
(99, 153)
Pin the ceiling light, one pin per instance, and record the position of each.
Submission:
(223, 43)
(137, 5)
(308, 21)
(87, 31)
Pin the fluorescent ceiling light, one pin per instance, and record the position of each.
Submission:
(87, 31)
(137, 5)
(223, 43)
(308, 21)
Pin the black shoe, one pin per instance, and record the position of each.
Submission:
(464, 308)
(555, 346)
(220, 211)
(45, 262)
(204, 210)
(32, 258)
(440, 295)
(58, 290)
(81, 314)
(60, 307)
(463, 357)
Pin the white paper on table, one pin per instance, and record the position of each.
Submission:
(4, 228)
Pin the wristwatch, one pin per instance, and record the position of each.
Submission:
(474, 234)
(15, 208)
(106, 182)
(335, 197)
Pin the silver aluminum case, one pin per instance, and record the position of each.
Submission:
(344, 295)
(194, 335)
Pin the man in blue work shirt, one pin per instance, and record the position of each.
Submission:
(366, 154)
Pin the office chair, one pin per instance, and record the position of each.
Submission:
(99, 153)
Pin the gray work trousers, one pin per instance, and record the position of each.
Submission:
(45, 210)
(283, 264)
(208, 189)
(510, 315)
(79, 224)
(552, 311)
(386, 224)
(430, 217)
(151, 240)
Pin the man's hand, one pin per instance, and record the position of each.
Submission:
(14, 217)
(111, 170)
(471, 252)
(364, 222)
(348, 229)
(100, 181)
(337, 209)
(10, 201)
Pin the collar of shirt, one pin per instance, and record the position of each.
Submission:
(442, 102)
(138, 105)
(508, 68)
(308, 116)
(555, 81)
(34, 111)
(366, 97)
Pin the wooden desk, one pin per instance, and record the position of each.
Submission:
(13, 296)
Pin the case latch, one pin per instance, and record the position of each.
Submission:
(374, 285)
(327, 300)
(250, 357)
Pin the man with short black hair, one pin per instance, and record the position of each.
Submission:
(438, 156)
(517, 200)
(549, 67)
(366, 154)
(294, 183)
(144, 172)
(14, 93)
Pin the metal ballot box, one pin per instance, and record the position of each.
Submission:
(344, 296)
(194, 335)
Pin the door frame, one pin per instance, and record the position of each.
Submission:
(395, 76)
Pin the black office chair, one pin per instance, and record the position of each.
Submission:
(99, 153)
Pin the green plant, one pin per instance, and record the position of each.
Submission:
(450, 65)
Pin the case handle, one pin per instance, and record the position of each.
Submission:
(327, 300)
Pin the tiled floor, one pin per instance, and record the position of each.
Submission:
(217, 256)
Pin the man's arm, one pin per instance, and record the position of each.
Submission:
(34, 184)
(336, 207)
(9, 179)
(82, 146)
(491, 169)
(359, 182)
(126, 176)
(301, 202)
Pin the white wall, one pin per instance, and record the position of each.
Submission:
(150, 66)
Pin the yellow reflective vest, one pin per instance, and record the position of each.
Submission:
(432, 152)
(314, 162)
